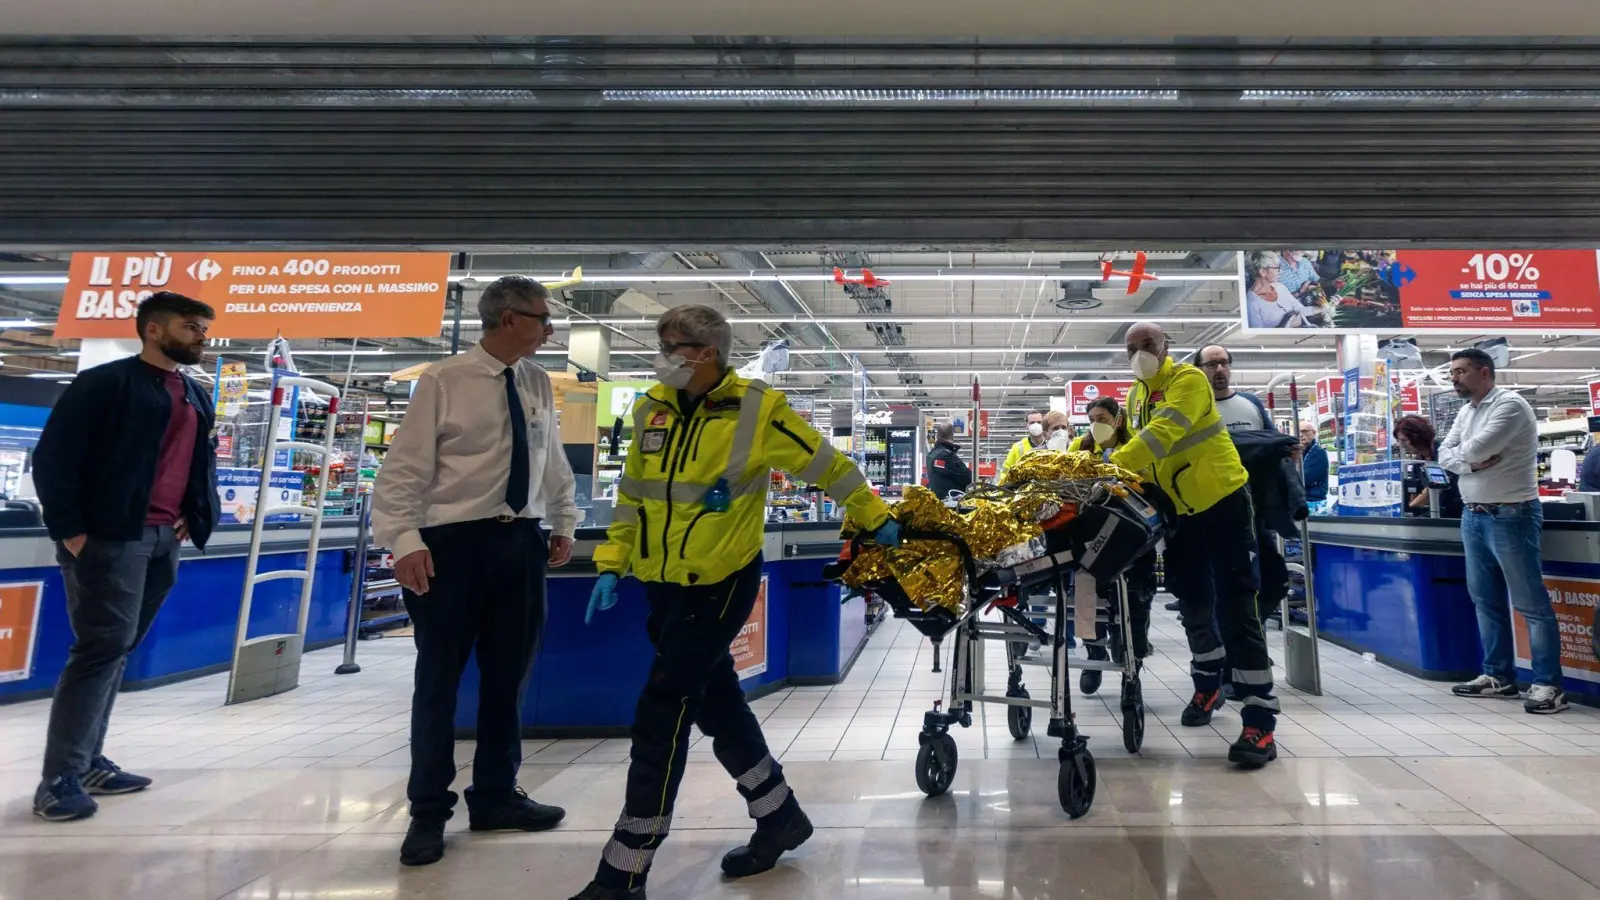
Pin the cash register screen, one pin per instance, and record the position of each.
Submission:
(1437, 476)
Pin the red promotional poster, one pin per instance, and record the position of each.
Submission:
(1594, 398)
(1355, 291)
(1410, 397)
(1327, 389)
(1082, 393)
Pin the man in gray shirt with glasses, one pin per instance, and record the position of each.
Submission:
(1494, 446)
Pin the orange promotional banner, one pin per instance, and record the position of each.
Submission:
(1573, 600)
(259, 295)
(749, 647)
(19, 628)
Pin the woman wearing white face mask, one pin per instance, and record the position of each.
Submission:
(1108, 431)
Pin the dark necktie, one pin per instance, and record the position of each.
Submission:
(517, 484)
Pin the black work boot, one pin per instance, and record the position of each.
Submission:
(424, 843)
(598, 891)
(768, 844)
(515, 813)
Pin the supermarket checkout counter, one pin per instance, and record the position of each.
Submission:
(587, 678)
(1396, 588)
(194, 633)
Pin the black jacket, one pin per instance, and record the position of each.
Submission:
(96, 460)
(1275, 480)
(946, 471)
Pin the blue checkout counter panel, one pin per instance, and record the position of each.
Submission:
(1397, 588)
(193, 634)
(587, 678)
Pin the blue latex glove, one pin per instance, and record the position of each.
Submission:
(888, 534)
(603, 597)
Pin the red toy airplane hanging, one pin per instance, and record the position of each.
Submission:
(1134, 275)
(867, 279)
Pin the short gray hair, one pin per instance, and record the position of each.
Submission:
(1261, 259)
(701, 324)
(944, 431)
(507, 293)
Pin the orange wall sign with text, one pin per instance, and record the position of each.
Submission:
(19, 629)
(260, 295)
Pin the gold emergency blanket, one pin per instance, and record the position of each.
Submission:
(1042, 490)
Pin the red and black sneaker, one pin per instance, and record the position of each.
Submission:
(1254, 749)
(1200, 708)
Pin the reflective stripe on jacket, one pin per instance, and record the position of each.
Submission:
(1180, 439)
(740, 432)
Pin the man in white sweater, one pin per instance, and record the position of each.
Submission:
(1494, 446)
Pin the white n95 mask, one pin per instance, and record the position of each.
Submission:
(1061, 440)
(1145, 365)
(1102, 433)
(1036, 429)
(673, 371)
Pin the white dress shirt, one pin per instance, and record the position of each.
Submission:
(452, 455)
(1501, 424)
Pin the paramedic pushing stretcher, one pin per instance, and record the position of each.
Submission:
(1211, 553)
(689, 523)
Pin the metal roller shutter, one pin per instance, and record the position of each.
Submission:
(771, 143)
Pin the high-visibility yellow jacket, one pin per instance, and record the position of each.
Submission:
(740, 432)
(1017, 451)
(1179, 438)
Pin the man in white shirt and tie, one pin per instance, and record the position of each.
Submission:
(1493, 445)
(474, 470)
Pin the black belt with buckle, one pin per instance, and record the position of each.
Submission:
(1488, 507)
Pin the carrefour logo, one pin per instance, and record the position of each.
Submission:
(204, 269)
(1091, 391)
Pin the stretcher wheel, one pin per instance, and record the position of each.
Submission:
(1076, 783)
(1133, 727)
(936, 765)
(1020, 718)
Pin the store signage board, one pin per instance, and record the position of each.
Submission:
(239, 491)
(1371, 489)
(1594, 398)
(1428, 291)
(19, 628)
(1082, 393)
(749, 648)
(616, 398)
(1573, 600)
(261, 295)
(1352, 407)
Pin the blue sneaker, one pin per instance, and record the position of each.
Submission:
(106, 778)
(63, 800)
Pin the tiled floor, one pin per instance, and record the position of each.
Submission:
(234, 816)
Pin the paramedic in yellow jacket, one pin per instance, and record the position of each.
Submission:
(1033, 440)
(690, 518)
(1179, 439)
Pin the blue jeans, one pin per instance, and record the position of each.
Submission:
(1503, 558)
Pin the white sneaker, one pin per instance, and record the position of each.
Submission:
(1486, 686)
(1545, 699)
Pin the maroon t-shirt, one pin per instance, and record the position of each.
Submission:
(177, 452)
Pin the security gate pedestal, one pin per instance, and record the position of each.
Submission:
(1301, 667)
(270, 664)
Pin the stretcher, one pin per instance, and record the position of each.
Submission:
(1111, 531)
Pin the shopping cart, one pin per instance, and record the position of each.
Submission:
(1111, 531)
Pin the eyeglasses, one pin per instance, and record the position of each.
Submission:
(542, 318)
(1216, 364)
(671, 347)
